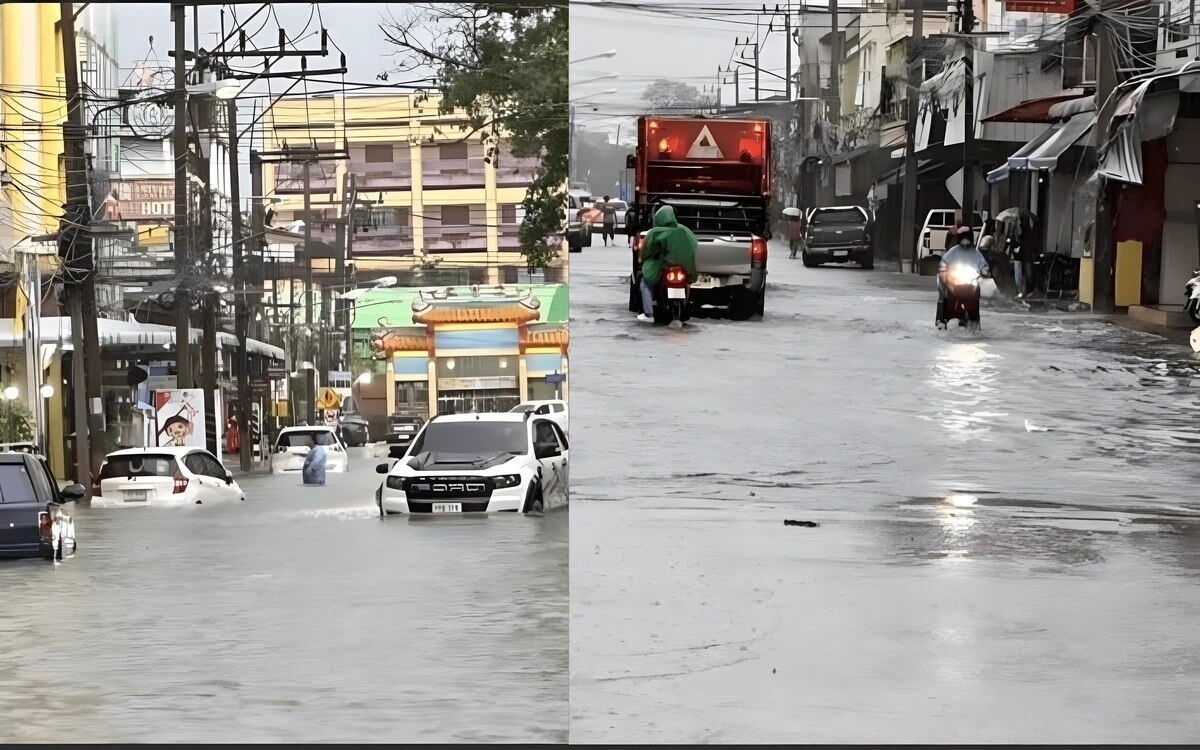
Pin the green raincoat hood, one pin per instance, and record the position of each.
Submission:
(667, 242)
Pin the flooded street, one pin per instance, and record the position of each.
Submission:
(297, 616)
(1008, 545)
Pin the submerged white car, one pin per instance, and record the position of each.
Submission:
(294, 444)
(479, 463)
(553, 409)
(164, 476)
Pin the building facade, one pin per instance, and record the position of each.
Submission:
(432, 193)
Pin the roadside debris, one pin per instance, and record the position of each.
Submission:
(809, 524)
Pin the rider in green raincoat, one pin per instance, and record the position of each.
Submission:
(667, 243)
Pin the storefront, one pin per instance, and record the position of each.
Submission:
(472, 350)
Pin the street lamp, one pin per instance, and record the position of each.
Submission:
(609, 53)
(11, 393)
(47, 390)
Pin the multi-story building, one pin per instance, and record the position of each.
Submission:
(432, 192)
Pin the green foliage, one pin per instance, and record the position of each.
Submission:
(676, 97)
(16, 422)
(506, 67)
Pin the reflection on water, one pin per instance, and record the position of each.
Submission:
(964, 374)
(295, 616)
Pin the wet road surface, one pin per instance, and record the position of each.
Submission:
(297, 616)
(1009, 538)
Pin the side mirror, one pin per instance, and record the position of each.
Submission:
(382, 468)
(73, 493)
(228, 477)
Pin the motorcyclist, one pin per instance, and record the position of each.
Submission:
(667, 243)
(963, 253)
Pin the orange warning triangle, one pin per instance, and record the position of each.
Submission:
(704, 147)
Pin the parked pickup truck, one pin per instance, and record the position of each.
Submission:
(837, 234)
(715, 174)
(401, 429)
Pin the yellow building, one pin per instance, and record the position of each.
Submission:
(437, 193)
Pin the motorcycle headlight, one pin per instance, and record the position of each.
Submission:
(505, 480)
(963, 275)
(395, 483)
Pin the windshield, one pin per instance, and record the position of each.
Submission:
(473, 438)
(146, 465)
(839, 216)
(306, 438)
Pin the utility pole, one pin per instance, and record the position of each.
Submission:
(787, 65)
(968, 187)
(183, 307)
(308, 289)
(914, 77)
(757, 42)
(257, 240)
(80, 244)
(241, 316)
(574, 138)
(1103, 291)
(835, 61)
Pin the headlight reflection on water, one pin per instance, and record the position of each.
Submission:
(957, 519)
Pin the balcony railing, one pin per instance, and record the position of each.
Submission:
(392, 241)
(510, 236)
(455, 238)
(452, 172)
(382, 176)
(290, 179)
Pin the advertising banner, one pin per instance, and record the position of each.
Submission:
(179, 418)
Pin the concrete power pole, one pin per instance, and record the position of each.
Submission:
(77, 212)
(968, 183)
(183, 307)
(914, 76)
(835, 60)
(241, 315)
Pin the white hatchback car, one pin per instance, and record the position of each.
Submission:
(479, 463)
(164, 476)
(294, 444)
(552, 409)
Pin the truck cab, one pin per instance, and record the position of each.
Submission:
(715, 174)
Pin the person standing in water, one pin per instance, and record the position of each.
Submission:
(609, 225)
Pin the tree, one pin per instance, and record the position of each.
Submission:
(16, 422)
(665, 95)
(505, 65)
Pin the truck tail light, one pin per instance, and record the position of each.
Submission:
(181, 483)
(758, 253)
(45, 525)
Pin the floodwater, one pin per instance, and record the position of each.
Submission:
(1008, 546)
(297, 616)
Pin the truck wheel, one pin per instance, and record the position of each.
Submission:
(867, 262)
(807, 261)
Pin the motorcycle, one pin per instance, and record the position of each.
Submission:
(1192, 292)
(962, 297)
(672, 297)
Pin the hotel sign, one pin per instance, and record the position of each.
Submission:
(476, 384)
(146, 198)
(1058, 7)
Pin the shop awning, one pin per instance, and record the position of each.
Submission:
(1044, 151)
(56, 331)
(1041, 110)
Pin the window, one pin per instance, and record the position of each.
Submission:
(41, 482)
(840, 216)
(558, 408)
(452, 151)
(15, 485)
(379, 153)
(545, 432)
(508, 213)
(145, 465)
(205, 465)
(562, 437)
(473, 438)
(456, 216)
(306, 438)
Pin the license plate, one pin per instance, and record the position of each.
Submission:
(138, 496)
(676, 293)
(447, 507)
(840, 253)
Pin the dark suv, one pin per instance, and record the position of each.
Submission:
(836, 235)
(33, 517)
(401, 429)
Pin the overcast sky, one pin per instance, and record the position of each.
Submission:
(669, 42)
